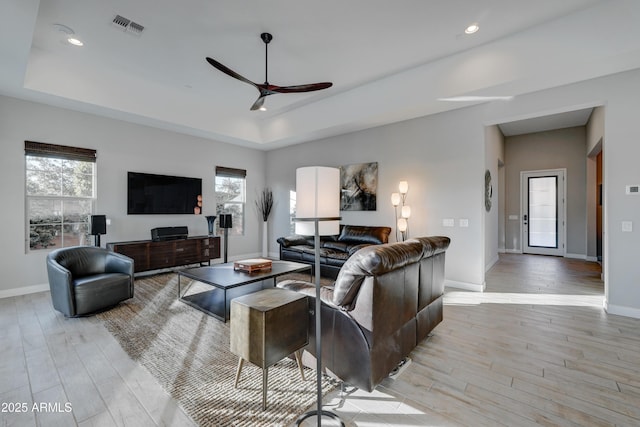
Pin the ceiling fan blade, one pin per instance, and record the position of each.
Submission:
(230, 72)
(259, 102)
(301, 88)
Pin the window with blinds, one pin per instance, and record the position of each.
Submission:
(230, 187)
(60, 195)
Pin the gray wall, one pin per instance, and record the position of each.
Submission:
(121, 147)
(494, 219)
(595, 134)
(442, 156)
(558, 149)
(435, 154)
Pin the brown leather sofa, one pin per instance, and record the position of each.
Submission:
(386, 300)
(334, 250)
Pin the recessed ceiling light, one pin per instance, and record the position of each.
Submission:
(472, 28)
(74, 41)
(69, 33)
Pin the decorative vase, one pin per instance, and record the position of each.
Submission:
(210, 220)
(265, 239)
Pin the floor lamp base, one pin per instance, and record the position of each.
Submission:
(323, 413)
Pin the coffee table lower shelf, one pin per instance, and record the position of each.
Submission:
(221, 283)
(217, 302)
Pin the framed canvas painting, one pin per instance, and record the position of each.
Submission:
(359, 187)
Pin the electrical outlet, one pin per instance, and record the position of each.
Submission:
(463, 222)
(448, 222)
(627, 226)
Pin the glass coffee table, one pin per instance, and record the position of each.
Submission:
(211, 289)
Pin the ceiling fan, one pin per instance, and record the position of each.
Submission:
(267, 89)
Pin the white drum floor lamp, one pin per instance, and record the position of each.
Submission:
(318, 214)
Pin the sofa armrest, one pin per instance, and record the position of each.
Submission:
(118, 263)
(309, 289)
(292, 240)
(61, 286)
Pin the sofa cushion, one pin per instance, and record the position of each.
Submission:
(99, 291)
(372, 260)
(337, 246)
(364, 234)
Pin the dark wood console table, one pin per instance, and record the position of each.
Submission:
(149, 255)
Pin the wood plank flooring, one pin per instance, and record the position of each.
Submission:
(535, 349)
(49, 361)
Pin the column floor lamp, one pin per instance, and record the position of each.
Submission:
(317, 214)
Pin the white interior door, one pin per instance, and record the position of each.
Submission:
(543, 212)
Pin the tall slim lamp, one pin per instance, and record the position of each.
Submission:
(318, 214)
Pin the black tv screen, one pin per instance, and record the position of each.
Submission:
(162, 194)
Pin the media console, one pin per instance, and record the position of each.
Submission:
(155, 255)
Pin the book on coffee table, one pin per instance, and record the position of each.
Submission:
(252, 265)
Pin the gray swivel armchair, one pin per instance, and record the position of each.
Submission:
(87, 279)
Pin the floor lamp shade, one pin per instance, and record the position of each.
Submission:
(317, 196)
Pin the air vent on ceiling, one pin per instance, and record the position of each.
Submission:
(127, 25)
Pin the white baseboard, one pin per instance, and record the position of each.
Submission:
(621, 310)
(8, 293)
(502, 250)
(592, 258)
(575, 256)
(464, 285)
(513, 251)
(491, 263)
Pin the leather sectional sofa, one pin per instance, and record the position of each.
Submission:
(385, 301)
(334, 250)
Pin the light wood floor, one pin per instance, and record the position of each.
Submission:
(535, 349)
(48, 360)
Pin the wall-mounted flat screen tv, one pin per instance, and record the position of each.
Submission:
(163, 194)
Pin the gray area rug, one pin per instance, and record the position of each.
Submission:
(187, 351)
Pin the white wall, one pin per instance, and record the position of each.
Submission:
(121, 147)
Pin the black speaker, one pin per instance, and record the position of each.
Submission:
(98, 225)
(224, 221)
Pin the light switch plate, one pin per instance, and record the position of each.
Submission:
(448, 222)
(632, 189)
(513, 217)
(627, 226)
(464, 222)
